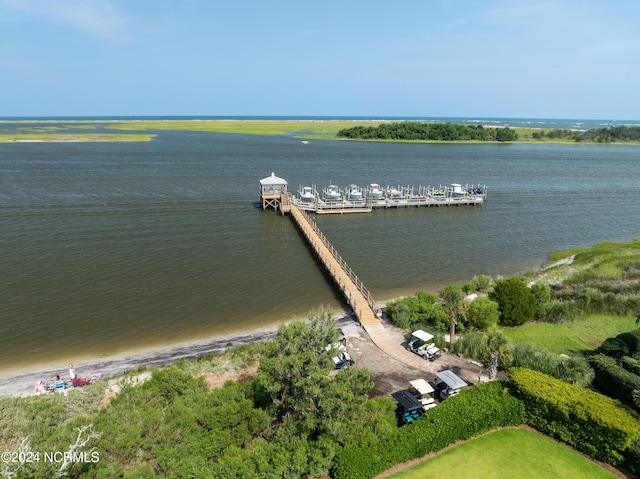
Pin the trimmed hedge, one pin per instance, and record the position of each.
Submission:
(614, 380)
(630, 364)
(595, 424)
(474, 411)
(632, 340)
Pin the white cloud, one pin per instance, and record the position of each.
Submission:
(96, 17)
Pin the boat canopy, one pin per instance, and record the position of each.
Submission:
(422, 335)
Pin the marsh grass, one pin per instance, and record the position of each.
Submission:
(58, 137)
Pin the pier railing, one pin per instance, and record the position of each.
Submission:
(343, 264)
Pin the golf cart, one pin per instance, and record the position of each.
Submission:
(423, 391)
(421, 344)
(339, 355)
(448, 384)
(409, 407)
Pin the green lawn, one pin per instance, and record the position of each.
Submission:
(508, 454)
(571, 338)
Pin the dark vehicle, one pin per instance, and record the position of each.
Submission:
(409, 406)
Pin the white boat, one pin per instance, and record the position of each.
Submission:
(457, 191)
(304, 142)
(393, 193)
(354, 193)
(375, 191)
(332, 193)
(306, 193)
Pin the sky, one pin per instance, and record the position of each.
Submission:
(415, 58)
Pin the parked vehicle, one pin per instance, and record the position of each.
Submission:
(339, 355)
(409, 407)
(421, 344)
(448, 384)
(423, 392)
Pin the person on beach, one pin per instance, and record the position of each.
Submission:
(40, 387)
(72, 372)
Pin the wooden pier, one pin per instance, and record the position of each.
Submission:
(355, 292)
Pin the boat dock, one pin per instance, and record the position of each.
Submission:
(273, 194)
(308, 199)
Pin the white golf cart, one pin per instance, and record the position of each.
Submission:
(423, 391)
(339, 355)
(421, 344)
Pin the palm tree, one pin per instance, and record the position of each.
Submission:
(497, 344)
(453, 302)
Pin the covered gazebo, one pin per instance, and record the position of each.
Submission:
(273, 191)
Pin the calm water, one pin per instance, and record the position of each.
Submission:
(107, 248)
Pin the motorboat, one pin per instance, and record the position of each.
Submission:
(375, 191)
(354, 193)
(457, 191)
(393, 193)
(307, 194)
(332, 193)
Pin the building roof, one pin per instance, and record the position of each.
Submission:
(272, 180)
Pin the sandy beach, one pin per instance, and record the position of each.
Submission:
(24, 383)
(21, 384)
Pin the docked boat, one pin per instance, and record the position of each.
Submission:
(354, 193)
(393, 193)
(306, 194)
(332, 193)
(457, 191)
(375, 191)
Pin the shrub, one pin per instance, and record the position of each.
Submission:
(632, 340)
(630, 364)
(516, 302)
(614, 347)
(614, 380)
(591, 422)
(574, 370)
(483, 314)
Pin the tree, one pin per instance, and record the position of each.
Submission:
(497, 344)
(515, 300)
(294, 374)
(453, 302)
(483, 314)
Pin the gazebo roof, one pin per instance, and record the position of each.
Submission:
(272, 180)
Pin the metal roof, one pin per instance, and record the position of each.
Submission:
(451, 379)
(272, 180)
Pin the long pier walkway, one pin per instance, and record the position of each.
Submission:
(357, 295)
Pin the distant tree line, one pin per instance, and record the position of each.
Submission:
(614, 134)
(411, 130)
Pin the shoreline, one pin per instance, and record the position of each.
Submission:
(20, 384)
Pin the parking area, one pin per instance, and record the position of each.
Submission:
(390, 375)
